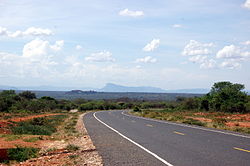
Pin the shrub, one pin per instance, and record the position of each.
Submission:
(137, 109)
(22, 153)
(27, 95)
(72, 147)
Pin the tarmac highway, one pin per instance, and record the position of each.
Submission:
(124, 139)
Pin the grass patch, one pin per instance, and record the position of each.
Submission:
(9, 137)
(22, 153)
(32, 139)
(73, 156)
(39, 126)
(72, 147)
(193, 122)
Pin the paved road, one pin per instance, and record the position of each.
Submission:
(122, 139)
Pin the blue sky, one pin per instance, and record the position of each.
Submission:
(171, 44)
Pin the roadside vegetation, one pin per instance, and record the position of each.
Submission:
(41, 128)
(226, 106)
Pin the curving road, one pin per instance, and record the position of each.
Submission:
(123, 139)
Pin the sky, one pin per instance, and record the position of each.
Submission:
(171, 44)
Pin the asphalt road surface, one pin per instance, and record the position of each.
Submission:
(123, 139)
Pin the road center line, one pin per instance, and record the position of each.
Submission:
(149, 125)
(178, 133)
(244, 150)
(194, 127)
(140, 146)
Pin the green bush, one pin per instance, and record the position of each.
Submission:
(72, 147)
(137, 109)
(21, 154)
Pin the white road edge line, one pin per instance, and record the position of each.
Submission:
(216, 131)
(140, 146)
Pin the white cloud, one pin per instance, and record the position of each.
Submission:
(78, 47)
(198, 52)
(130, 13)
(246, 43)
(38, 48)
(147, 59)
(247, 4)
(233, 55)
(57, 46)
(208, 64)
(3, 31)
(104, 56)
(38, 60)
(177, 26)
(204, 62)
(232, 52)
(197, 48)
(198, 59)
(32, 31)
(231, 64)
(152, 45)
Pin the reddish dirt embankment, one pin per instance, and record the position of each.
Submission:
(232, 120)
(4, 129)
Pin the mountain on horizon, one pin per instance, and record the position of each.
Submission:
(110, 87)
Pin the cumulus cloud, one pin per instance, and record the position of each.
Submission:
(197, 48)
(231, 64)
(39, 48)
(152, 45)
(198, 53)
(247, 4)
(32, 31)
(204, 62)
(208, 64)
(147, 59)
(198, 59)
(232, 55)
(130, 13)
(37, 60)
(104, 56)
(78, 47)
(177, 26)
(232, 52)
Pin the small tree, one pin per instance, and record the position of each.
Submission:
(28, 95)
(137, 109)
(226, 96)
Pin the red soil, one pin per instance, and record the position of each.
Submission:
(200, 119)
(241, 120)
(4, 129)
(240, 124)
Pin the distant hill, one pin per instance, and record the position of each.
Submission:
(119, 88)
(109, 87)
